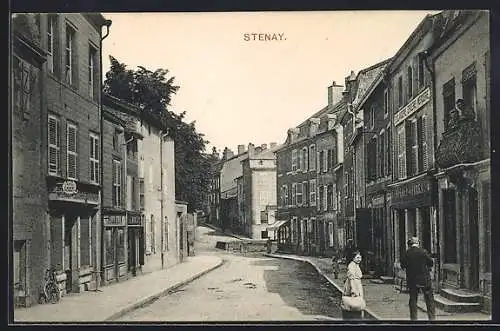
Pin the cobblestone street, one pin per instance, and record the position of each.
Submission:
(247, 288)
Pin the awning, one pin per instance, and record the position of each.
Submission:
(276, 225)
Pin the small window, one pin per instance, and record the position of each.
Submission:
(70, 54)
(400, 91)
(386, 102)
(51, 22)
(94, 158)
(116, 140)
(117, 184)
(92, 73)
(410, 83)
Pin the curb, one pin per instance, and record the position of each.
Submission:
(367, 311)
(145, 301)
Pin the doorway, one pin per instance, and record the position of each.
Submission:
(473, 240)
(133, 251)
(71, 254)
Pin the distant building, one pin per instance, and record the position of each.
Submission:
(257, 191)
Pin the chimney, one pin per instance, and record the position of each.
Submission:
(334, 93)
(258, 149)
(241, 149)
(263, 146)
(272, 145)
(229, 154)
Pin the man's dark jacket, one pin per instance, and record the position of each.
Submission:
(417, 263)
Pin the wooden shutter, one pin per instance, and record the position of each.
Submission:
(424, 136)
(71, 146)
(401, 152)
(54, 145)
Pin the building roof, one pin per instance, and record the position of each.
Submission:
(365, 79)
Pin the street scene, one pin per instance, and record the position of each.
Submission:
(251, 167)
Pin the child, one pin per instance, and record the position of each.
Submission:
(336, 260)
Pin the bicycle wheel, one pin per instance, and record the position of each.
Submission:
(53, 293)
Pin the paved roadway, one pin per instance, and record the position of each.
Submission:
(246, 288)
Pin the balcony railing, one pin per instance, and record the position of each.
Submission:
(461, 143)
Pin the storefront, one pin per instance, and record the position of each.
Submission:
(73, 211)
(414, 210)
(464, 203)
(381, 237)
(135, 235)
(114, 246)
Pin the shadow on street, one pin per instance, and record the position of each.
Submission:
(306, 290)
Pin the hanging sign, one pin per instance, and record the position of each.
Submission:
(69, 187)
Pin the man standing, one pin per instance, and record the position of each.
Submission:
(417, 263)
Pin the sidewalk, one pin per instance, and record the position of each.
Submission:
(227, 232)
(113, 301)
(383, 301)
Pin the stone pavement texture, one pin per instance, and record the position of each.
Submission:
(383, 301)
(115, 300)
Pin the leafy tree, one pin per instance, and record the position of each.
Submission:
(152, 91)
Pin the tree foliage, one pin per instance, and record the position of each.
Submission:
(152, 91)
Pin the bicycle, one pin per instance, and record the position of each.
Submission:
(50, 291)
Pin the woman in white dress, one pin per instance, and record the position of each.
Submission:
(353, 286)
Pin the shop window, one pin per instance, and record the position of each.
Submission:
(120, 245)
(486, 211)
(109, 247)
(85, 238)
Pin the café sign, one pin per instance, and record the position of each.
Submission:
(415, 104)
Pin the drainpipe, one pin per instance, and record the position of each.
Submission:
(107, 24)
(350, 111)
(162, 223)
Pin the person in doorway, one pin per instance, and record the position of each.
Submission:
(417, 262)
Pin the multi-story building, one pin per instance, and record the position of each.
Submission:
(123, 235)
(157, 194)
(28, 168)
(461, 66)
(299, 165)
(257, 191)
(377, 144)
(214, 194)
(71, 135)
(413, 198)
(356, 215)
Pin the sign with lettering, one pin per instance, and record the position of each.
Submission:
(412, 106)
(69, 187)
(415, 193)
(378, 200)
(59, 194)
(134, 220)
(114, 220)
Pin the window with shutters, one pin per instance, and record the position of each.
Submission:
(54, 146)
(142, 201)
(421, 72)
(335, 201)
(70, 56)
(320, 161)
(286, 201)
(294, 194)
(410, 83)
(299, 160)
(92, 73)
(413, 143)
(312, 192)
(386, 103)
(305, 159)
(294, 160)
(325, 198)
(400, 92)
(94, 158)
(401, 139)
(321, 193)
(389, 151)
(312, 157)
(299, 194)
(382, 156)
(117, 184)
(448, 100)
(51, 22)
(71, 151)
(422, 143)
(372, 117)
(329, 197)
(329, 159)
(469, 89)
(305, 193)
(325, 160)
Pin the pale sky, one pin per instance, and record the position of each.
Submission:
(252, 91)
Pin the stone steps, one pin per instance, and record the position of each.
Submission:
(460, 295)
(451, 306)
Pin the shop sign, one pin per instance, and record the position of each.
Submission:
(415, 104)
(62, 193)
(378, 200)
(134, 220)
(114, 220)
(69, 187)
(416, 193)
